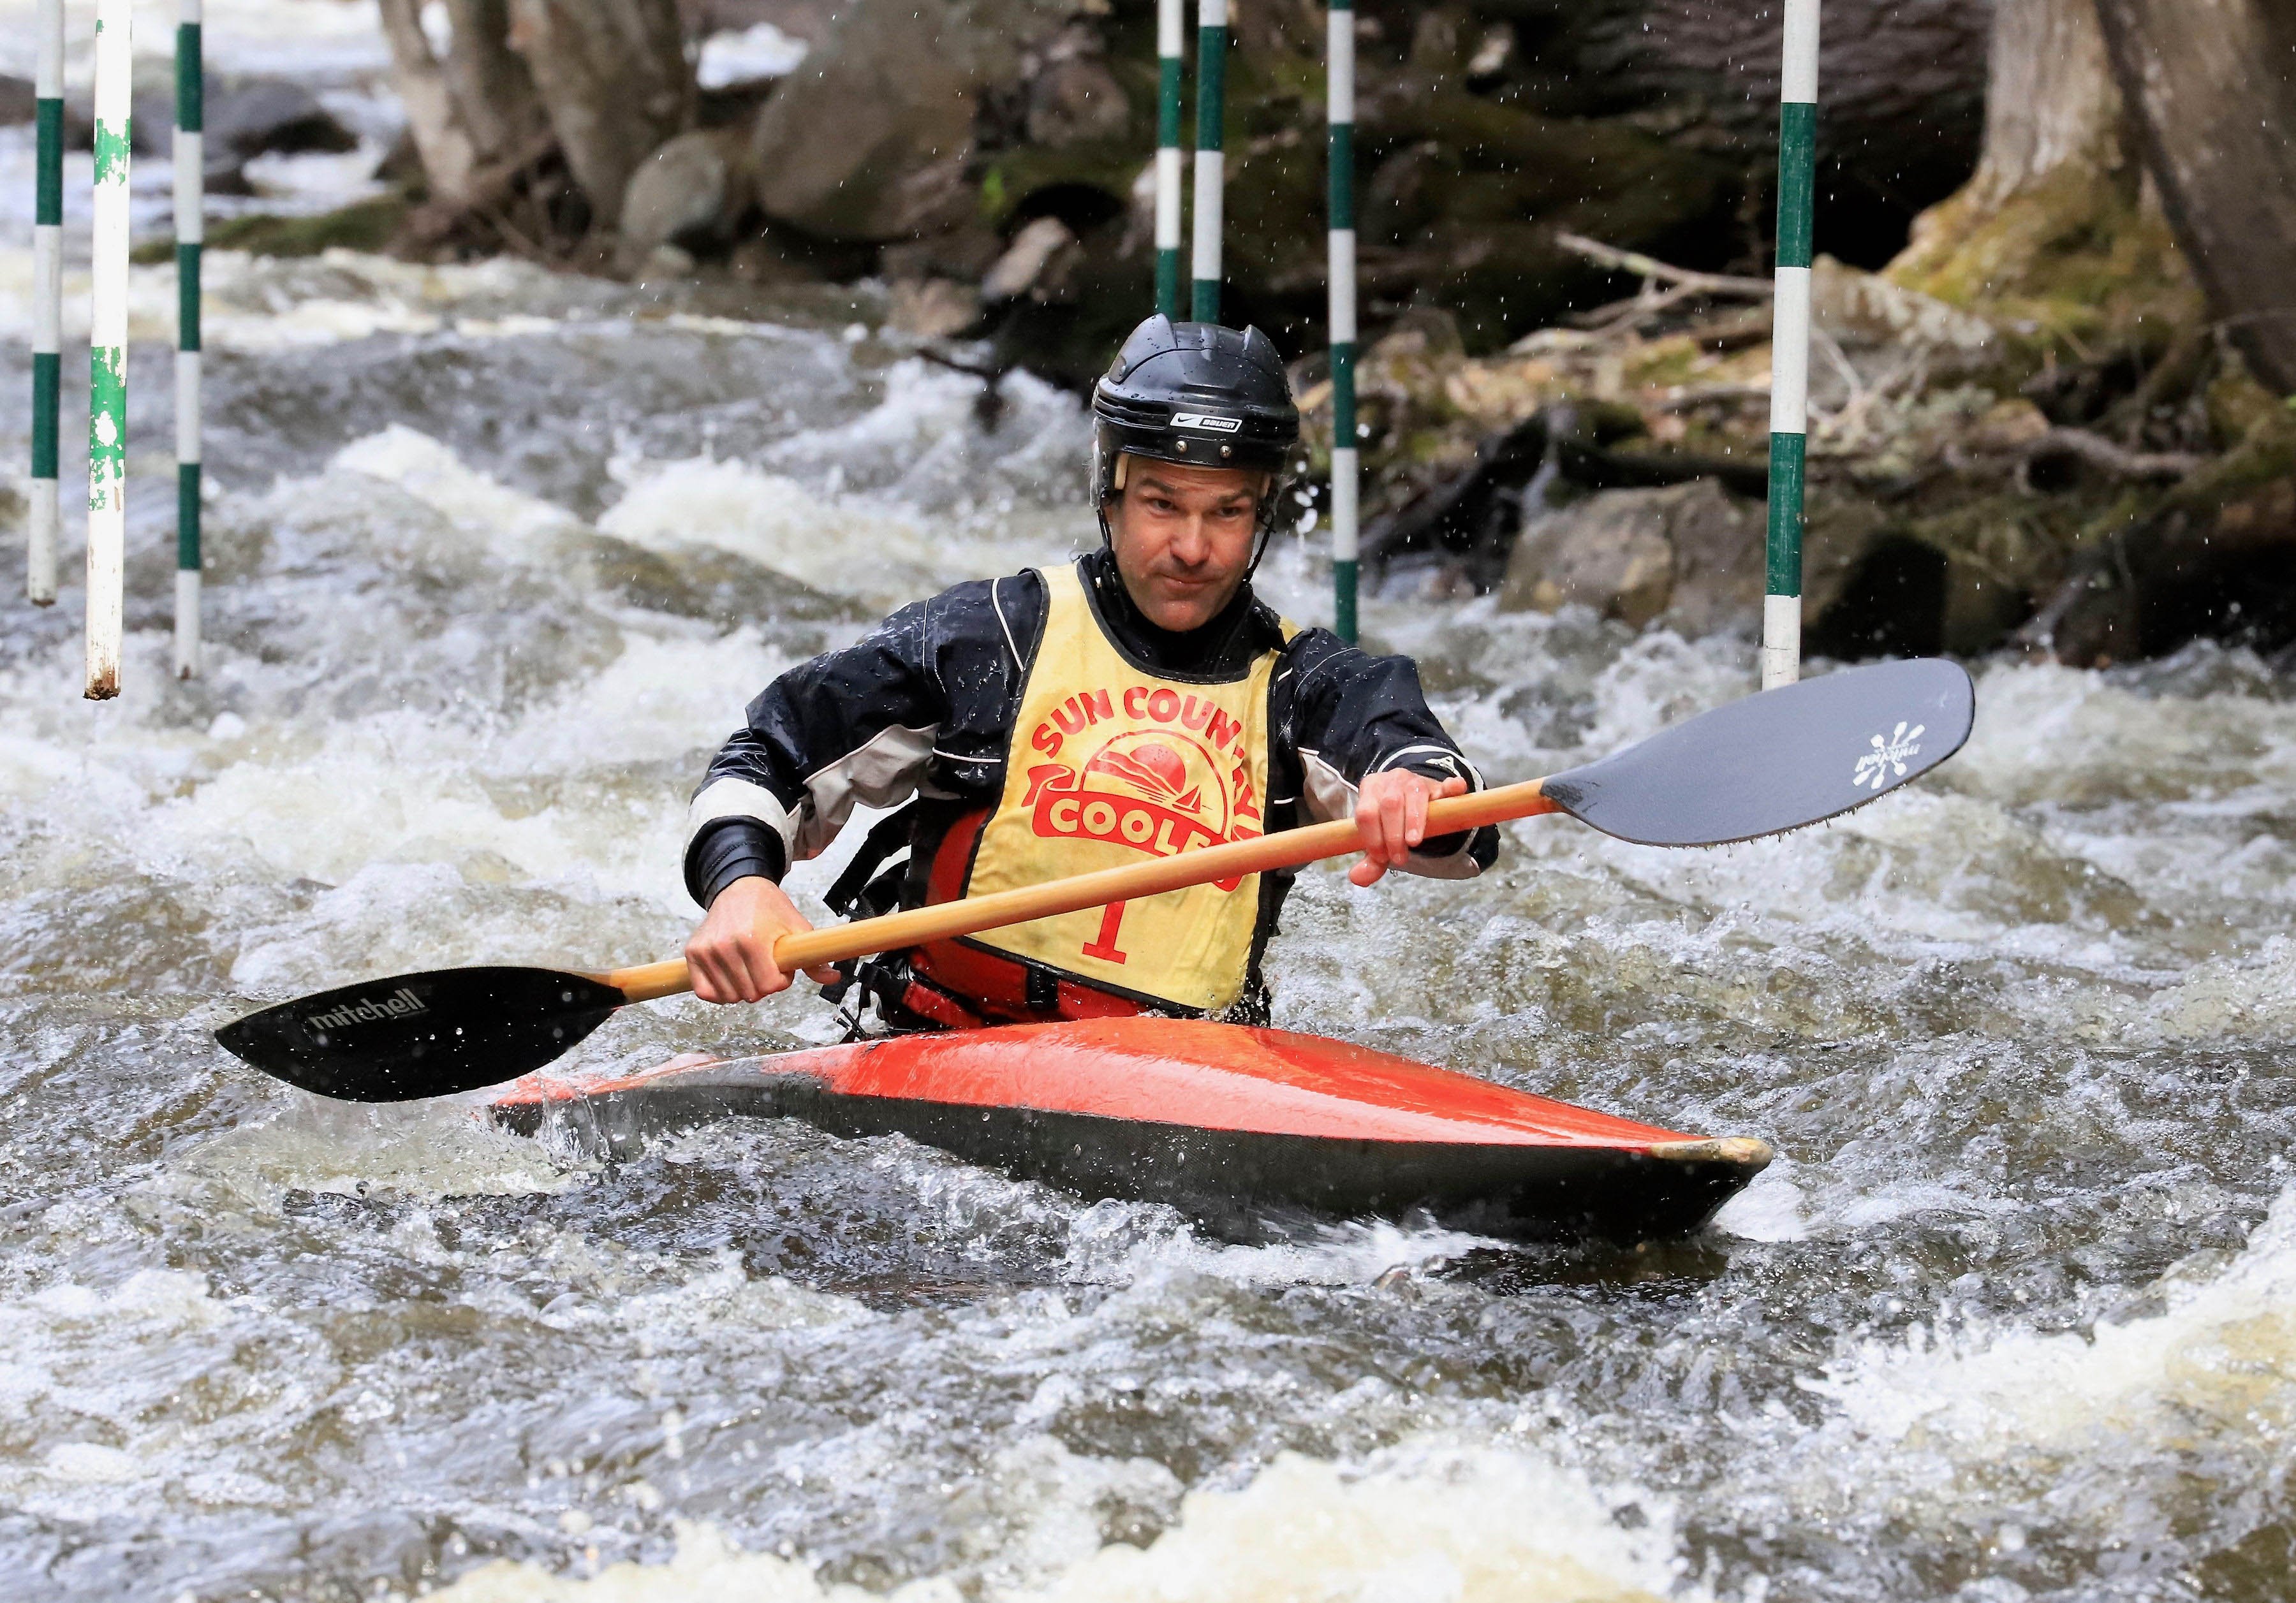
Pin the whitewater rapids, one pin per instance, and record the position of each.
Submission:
(495, 557)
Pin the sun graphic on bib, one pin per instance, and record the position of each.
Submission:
(1161, 768)
(1157, 791)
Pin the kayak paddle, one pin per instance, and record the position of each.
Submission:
(1772, 762)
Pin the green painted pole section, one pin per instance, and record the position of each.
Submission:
(191, 198)
(1339, 111)
(1171, 31)
(1212, 159)
(47, 301)
(1790, 346)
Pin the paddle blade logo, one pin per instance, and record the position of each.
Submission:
(401, 1003)
(1887, 760)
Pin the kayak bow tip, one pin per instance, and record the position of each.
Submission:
(1748, 1151)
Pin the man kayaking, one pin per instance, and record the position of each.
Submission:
(1141, 700)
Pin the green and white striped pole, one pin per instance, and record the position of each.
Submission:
(1211, 161)
(107, 401)
(47, 297)
(1339, 112)
(191, 180)
(1790, 346)
(1171, 28)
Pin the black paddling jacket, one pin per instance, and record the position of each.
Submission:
(924, 707)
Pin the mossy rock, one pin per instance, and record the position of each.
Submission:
(362, 225)
(2068, 264)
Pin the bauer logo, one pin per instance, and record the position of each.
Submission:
(1208, 422)
(401, 1003)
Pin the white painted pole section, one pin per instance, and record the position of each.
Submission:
(1170, 166)
(107, 417)
(1790, 346)
(47, 300)
(1790, 356)
(1800, 87)
(1211, 176)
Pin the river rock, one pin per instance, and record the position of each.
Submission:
(1072, 95)
(247, 119)
(18, 99)
(689, 187)
(1689, 555)
(867, 141)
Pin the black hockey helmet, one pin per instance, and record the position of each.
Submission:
(1199, 394)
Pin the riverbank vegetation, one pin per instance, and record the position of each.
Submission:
(2051, 360)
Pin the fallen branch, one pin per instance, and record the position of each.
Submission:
(1689, 397)
(2114, 460)
(1650, 267)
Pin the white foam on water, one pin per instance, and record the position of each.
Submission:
(430, 1153)
(775, 521)
(509, 524)
(706, 1569)
(118, 1434)
(744, 55)
(1429, 1521)
(1772, 1209)
(2220, 1354)
(2247, 998)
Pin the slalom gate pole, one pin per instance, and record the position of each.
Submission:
(1790, 346)
(107, 401)
(1339, 110)
(1211, 161)
(1171, 28)
(190, 181)
(48, 299)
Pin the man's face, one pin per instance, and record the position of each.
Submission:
(1182, 537)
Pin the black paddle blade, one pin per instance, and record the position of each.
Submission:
(422, 1035)
(1776, 761)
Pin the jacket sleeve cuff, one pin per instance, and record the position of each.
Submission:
(727, 849)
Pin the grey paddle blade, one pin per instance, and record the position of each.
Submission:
(1778, 760)
(422, 1035)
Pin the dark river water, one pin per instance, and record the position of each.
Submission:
(495, 562)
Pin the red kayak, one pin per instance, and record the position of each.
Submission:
(1228, 1124)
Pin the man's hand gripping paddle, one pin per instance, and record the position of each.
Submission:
(1772, 762)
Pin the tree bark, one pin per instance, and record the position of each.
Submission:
(1901, 89)
(471, 110)
(2051, 101)
(2209, 82)
(613, 77)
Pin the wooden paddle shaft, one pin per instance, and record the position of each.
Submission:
(1287, 848)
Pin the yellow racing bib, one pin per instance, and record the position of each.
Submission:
(1109, 764)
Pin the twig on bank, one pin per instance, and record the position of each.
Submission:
(1689, 397)
(2114, 460)
(1650, 267)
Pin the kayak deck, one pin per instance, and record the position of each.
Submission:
(1228, 1124)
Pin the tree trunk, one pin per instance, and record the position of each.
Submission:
(2058, 234)
(2210, 86)
(470, 111)
(613, 76)
(2052, 102)
(1901, 88)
